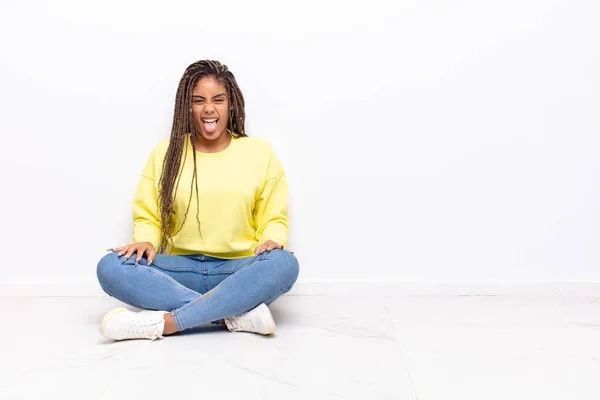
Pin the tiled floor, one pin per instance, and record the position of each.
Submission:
(326, 347)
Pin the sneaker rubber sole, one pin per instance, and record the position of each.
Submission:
(108, 316)
(270, 321)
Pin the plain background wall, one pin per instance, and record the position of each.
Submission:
(423, 140)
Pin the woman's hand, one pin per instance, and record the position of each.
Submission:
(140, 248)
(267, 246)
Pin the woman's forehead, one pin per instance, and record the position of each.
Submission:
(209, 84)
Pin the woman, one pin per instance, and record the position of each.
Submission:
(228, 264)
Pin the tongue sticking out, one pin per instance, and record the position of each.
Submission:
(210, 126)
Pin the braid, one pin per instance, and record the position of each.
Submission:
(183, 127)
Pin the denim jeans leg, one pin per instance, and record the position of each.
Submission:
(142, 286)
(262, 280)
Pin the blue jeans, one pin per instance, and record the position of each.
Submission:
(198, 289)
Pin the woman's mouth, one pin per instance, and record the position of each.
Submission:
(210, 125)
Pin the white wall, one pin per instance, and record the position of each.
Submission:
(429, 140)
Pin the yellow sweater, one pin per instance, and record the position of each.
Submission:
(243, 195)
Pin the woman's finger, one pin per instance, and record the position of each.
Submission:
(140, 253)
(151, 255)
(258, 250)
(123, 250)
(132, 249)
(273, 245)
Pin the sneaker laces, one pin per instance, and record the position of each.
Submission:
(145, 328)
(242, 321)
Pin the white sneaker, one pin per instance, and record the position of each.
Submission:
(120, 324)
(257, 320)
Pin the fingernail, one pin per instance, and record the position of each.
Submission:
(108, 249)
(136, 263)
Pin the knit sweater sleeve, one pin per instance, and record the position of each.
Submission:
(271, 207)
(146, 222)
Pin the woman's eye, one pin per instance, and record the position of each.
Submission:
(219, 101)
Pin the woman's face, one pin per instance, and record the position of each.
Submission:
(210, 107)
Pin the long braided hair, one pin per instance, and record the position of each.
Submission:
(183, 124)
